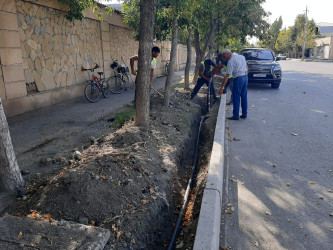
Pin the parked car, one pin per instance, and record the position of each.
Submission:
(262, 66)
(281, 57)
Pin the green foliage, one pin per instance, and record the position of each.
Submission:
(123, 117)
(235, 18)
(269, 39)
(291, 40)
(76, 7)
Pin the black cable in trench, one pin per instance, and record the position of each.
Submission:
(180, 216)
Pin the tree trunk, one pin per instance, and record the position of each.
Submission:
(10, 176)
(188, 60)
(201, 53)
(173, 54)
(146, 33)
(198, 55)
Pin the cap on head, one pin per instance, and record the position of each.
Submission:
(226, 51)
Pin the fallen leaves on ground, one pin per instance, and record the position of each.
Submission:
(19, 235)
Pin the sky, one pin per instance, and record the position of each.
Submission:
(318, 10)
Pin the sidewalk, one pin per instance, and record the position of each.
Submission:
(33, 127)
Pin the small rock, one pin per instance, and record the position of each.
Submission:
(24, 198)
(62, 222)
(180, 245)
(83, 220)
(92, 139)
(128, 235)
(22, 192)
(43, 162)
(25, 172)
(77, 155)
(49, 159)
(78, 202)
(96, 177)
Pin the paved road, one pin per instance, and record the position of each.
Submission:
(279, 170)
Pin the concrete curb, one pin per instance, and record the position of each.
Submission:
(208, 230)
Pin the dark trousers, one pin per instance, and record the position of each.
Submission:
(239, 95)
(198, 86)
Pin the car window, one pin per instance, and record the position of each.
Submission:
(258, 55)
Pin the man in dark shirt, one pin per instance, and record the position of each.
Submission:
(205, 74)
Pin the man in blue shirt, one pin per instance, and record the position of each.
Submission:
(238, 68)
(205, 73)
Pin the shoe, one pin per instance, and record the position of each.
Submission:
(233, 118)
(229, 103)
(243, 116)
(216, 99)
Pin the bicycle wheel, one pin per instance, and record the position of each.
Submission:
(91, 92)
(116, 85)
(105, 88)
(126, 81)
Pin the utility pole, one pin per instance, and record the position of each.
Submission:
(305, 29)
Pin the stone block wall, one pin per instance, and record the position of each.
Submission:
(41, 52)
(122, 47)
(53, 48)
(12, 83)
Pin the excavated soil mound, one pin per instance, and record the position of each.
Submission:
(128, 182)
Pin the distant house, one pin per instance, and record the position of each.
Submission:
(324, 44)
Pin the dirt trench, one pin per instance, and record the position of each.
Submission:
(130, 181)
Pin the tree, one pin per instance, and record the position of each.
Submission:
(76, 7)
(188, 59)
(146, 34)
(269, 39)
(236, 20)
(290, 40)
(10, 176)
(174, 43)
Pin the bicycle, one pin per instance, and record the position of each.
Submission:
(95, 86)
(120, 79)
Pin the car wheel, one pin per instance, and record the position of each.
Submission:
(275, 85)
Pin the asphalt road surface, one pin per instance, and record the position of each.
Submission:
(279, 164)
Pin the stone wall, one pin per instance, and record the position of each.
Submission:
(12, 83)
(53, 48)
(41, 53)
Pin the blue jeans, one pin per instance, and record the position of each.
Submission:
(198, 86)
(239, 95)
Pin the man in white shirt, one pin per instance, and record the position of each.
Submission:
(238, 68)
(154, 53)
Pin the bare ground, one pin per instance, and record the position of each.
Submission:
(130, 181)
